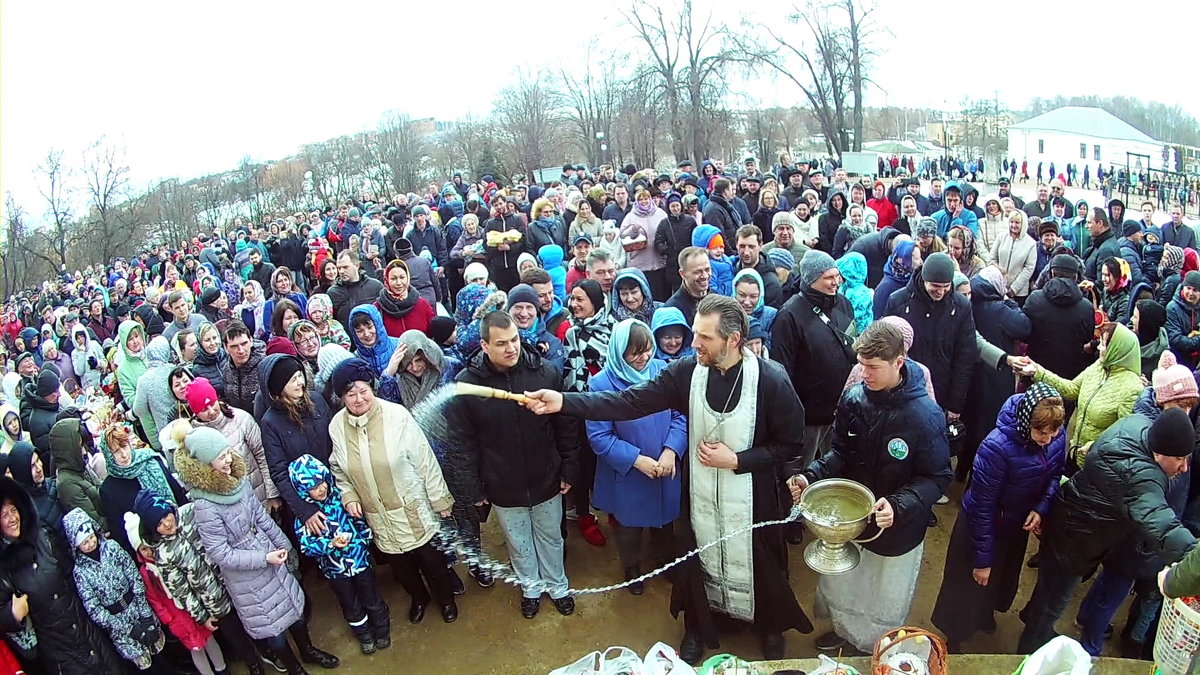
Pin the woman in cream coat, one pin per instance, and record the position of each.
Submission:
(389, 475)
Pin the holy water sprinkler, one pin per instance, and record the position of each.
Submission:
(489, 392)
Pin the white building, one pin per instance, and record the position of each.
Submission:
(1083, 137)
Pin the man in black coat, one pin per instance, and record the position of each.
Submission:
(877, 247)
(39, 411)
(1119, 493)
(1062, 321)
(353, 287)
(719, 213)
(261, 270)
(520, 463)
(809, 340)
(943, 330)
(695, 271)
(750, 256)
(1105, 244)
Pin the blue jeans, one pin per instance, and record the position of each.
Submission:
(1099, 607)
(535, 546)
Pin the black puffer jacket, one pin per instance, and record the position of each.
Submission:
(241, 382)
(943, 338)
(817, 356)
(37, 417)
(345, 296)
(893, 442)
(1103, 247)
(876, 247)
(67, 640)
(1061, 322)
(504, 452)
(1120, 492)
(285, 441)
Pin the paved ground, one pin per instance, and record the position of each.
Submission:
(492, 637)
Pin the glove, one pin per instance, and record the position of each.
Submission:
(92, 363)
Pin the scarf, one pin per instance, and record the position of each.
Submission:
(587, 349)
(144, 467)
(398, 309)
(900, 271)
(643, 313)
(1037, 393)
(819, 300)
(617, 364)
(255, 308)
(644, 210)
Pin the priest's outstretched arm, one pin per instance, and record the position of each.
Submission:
(668, 391)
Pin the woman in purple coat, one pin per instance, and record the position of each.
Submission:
(636, 479)
(1016, 475)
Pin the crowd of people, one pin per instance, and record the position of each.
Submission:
(187, 431)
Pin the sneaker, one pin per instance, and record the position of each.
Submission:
(570, 514)
(530, 607)
(591, 531)
(943, 500)
(481, 576)
(565, 605)
(831, 641)
(273, 661)
(456, 583)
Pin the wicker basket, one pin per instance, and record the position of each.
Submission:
(937, 650)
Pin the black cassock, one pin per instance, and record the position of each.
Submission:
(778, 437)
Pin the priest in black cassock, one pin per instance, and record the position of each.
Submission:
(744, 423)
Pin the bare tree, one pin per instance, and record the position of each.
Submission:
(828, 66)
(53, 183)
(14, 253)
(400, 146)
(529, 120)
(106, 175)
(592, 100)
(687, 65)
(465, 143)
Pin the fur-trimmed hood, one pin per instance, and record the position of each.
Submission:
(204, 483)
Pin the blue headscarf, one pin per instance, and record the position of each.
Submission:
(903, 272)
(378, 356)
(616, 354)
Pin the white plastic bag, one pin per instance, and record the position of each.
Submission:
(1060, 656)
(612, 661)
(662, 660)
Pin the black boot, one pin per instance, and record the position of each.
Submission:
(255, 667)
(381, 627)
(633, 573)
(309, 653)
(691, 649)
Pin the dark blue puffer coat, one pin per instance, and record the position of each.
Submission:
(1012, 476)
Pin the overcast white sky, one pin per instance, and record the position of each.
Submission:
(191, 88)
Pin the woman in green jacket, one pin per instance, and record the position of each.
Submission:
(1104, 392)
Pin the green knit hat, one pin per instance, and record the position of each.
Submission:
(205, 444)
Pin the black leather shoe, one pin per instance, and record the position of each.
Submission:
(456, 583)
(565, 605)
(311, 654)
(933, 520)
(633, 573)
(416, 612)
(830, 641)
(450, 612)
(691, 650)
(772, 646)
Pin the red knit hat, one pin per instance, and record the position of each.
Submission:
(200, 394)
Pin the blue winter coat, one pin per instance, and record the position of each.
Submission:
(1011, 477)
(721, 281)
(966, 218)
(853, 267)
(620, 489)
(551, 258)
(306, 473)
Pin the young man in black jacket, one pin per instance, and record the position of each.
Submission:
(891, 437)
(520, 463)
